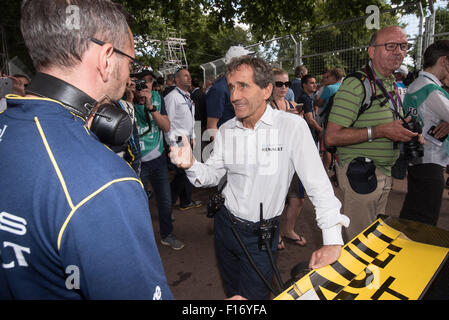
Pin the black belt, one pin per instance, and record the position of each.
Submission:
(246, 225)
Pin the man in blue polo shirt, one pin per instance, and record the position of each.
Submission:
(74, 219)
(335, 79)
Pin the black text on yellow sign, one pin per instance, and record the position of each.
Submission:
(379, 264)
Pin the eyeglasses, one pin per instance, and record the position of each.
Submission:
(134, 65)
(391, 46)
(279, 84)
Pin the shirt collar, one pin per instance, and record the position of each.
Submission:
(431, 76)
(381, 77)
(266, 118)
(187, 94)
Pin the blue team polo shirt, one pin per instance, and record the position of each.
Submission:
(74, 218)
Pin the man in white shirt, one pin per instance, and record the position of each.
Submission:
(427, 100)
(258, 151)
(181, 113)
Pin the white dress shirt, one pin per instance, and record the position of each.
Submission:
(432, 111)
(181, 113)
(260, 163)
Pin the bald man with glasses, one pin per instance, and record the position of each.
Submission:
(366, 144)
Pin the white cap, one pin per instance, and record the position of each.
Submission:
(402, 69)
(235, 52)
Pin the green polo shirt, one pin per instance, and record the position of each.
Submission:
(347, 102)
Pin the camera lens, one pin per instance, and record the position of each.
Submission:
(413, 149)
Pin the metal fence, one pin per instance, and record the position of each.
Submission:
(344, 44)
(440, 24)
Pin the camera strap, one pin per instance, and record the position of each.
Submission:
(393, 104)
(147, 117)
(396, 113)
(223, 186)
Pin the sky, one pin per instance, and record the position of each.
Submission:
(413, 20)
(412, 28)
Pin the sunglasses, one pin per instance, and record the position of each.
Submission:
(279, 84)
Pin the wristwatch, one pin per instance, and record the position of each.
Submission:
(151, 110)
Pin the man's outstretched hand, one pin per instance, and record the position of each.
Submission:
(181, 155)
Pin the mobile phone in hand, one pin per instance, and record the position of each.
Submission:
(432, 134)
(5, 86)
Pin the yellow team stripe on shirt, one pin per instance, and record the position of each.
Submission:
(16, 97)
(64, 186)
(64, 226)
(53, 161)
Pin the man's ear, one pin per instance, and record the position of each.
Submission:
(105, 61)
(443, 60)
(371, 52)
(267, 91)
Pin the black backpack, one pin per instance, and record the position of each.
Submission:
(366, 102)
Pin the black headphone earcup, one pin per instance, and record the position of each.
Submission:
(112, 125)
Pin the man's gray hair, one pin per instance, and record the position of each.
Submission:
(263, 72)
(58, 32)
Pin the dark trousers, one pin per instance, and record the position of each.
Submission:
(181, 188)
(238, 275)
(425, 186)
(156, 172)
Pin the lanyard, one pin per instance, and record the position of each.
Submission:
(398, 98)
(287, 104)
(187, 99)
(393, 102)
(431, 80)
(396, 111)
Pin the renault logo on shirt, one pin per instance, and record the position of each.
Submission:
(259, 149)
(272, 147)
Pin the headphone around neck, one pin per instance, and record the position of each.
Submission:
(111, 124)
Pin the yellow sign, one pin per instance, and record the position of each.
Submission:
(381, 263)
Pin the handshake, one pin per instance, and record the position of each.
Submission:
(181, 154)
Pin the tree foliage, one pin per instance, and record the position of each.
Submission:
(211, 26)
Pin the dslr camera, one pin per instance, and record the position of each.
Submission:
(413, 150)
(214, 204)
(140, 84)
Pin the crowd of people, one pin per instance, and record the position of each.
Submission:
(77, 205)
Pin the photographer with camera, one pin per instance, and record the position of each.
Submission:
(258, 151)
(153, 122)
(429, 102)
(130, 151)
(74, 219)
(365, 142)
